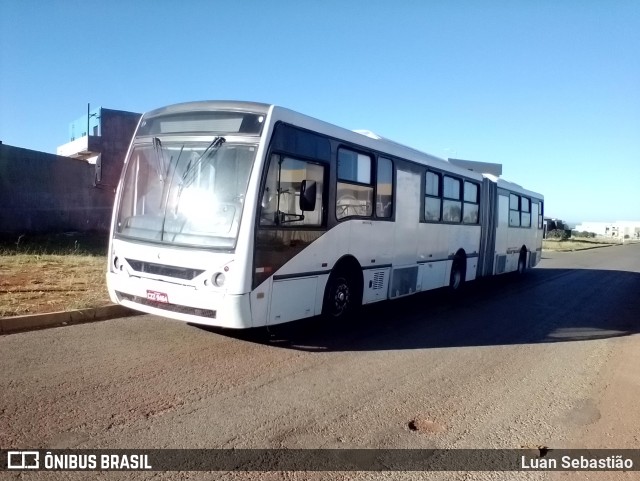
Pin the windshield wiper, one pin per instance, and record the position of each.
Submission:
(161, 164)
(190, 173)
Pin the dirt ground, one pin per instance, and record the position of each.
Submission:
(50, 283)
(540, 360)
(53, 273)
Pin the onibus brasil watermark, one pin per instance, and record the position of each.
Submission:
(23, 460)
(320, 460)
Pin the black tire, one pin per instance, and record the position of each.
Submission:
(457, 277)
(342, 297)
(522, 263)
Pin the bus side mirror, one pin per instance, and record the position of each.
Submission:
(308, 195)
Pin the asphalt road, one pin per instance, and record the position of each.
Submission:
(544, 360)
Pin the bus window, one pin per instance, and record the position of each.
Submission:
(451, 206)
(280, 203)
(540, 215)
(432, 203)
(514, 210)
(355, 189)
(525, 216)
(471, 201)
(269, 199)
(384, 188)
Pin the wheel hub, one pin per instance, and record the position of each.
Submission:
(341, 298)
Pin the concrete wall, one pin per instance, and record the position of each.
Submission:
(42, 193)
(117, 129)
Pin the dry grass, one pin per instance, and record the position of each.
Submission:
(574, 244)
(39, 275)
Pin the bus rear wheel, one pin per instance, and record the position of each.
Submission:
(457, 277)
(522, 263)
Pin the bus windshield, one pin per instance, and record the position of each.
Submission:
(185, 193)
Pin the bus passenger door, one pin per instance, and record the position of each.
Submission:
(534, 256)
(404, 278)
(502, 234)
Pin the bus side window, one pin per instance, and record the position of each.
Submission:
(452, 204)
(514, 210)
(433, 201)
(355, 188)
(525, 215)
(280, 204)
(471, 207)
(540, 215)
(269, 200)
(384, 188)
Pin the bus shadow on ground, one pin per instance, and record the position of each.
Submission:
(545, 305)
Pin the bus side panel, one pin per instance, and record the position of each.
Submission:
(518, 237)
(260, 298)
(472, 268)
(433, 275)
(371, 242)
(433, 254)
(437, 246)
(293, 299)
(311, 255)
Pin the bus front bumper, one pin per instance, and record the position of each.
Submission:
(183, 303)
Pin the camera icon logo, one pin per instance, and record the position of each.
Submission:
(23, 460)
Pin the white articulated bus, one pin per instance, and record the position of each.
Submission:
(239, 214)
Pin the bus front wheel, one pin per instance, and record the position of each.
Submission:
(341, 297)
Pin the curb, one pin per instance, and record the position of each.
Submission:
(10, 325)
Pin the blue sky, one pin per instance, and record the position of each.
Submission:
(549, 89)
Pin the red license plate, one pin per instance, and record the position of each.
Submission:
(157, 296)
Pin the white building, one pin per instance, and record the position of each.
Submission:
(617, 230)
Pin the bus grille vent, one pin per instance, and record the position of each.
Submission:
(193, 311)
(162, 270)
(378, 280)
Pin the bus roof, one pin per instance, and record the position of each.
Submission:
(369, 140)
(362, 137)
(211, 105)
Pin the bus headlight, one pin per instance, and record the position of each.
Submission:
(117, 264)
(218, 279)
